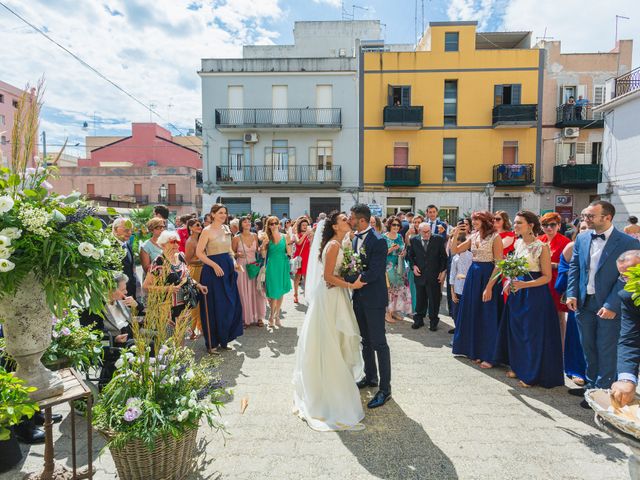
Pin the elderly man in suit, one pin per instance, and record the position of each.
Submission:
(629, 343)
(122, 229)
(592, 292)
(428, 260)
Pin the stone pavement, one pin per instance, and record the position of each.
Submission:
(448, 419)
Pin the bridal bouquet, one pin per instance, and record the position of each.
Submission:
(352, 262)
(632, 285)
(510, 269)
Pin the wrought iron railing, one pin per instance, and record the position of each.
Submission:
(397, 116)
(278, 117)
(526, 114)
(571, 115)
(279, 174)
(402, 175)
(518, 174)
(628, 82)
(586, 175)
(173, 199)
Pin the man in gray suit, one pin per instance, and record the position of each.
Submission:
(592, 292)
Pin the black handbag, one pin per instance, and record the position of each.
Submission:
(190, 293)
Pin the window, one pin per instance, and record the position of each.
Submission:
(507, 94)
(509, 153)
(14, 103)
(596, 153)
(3, 140)
(91, 189)
(449, 147)
(399, 96)
(451, 41)
(324, 155)
(401, 154)
(450, 102)
(2, 120)
(1, 98)
(396, 205)
(449, 215)
(236, 159)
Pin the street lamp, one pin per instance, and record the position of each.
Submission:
(163, 193)
(489, 191)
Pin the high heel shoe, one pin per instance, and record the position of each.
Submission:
(295, 298)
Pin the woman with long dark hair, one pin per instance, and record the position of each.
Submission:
(246, 246)
(529, 333)
(277, 281)
(479, 310)
(194, 227)
(303, 236)
(221, 313)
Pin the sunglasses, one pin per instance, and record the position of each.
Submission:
(196, 225)
(497, 219)
(272, 224)
(395, 225)
(549, 225)
(174, 242)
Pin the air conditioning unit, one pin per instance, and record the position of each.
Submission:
(251, 137)
(570, 132)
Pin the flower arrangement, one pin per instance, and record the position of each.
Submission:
(510, 269)
(159, 388)
(54, 237)
(352, 262)
(14, 402)
(71, 344)
(632, 285)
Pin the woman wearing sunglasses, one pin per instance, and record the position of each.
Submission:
(277, 277)
(399, 297)
(194, 228)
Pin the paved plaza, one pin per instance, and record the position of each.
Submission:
(448, 419)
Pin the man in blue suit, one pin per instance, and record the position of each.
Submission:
(438, 227)
(592, 292)
(370, 303)
(624, 389)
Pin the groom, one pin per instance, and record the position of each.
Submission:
(369, 304)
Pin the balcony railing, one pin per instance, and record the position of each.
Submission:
(402, 118)
(173, 199)
(509, 116)
(513, 175)
(119, 200)
(585, 175)
(279, 174)
(628, 82)
(569, 115)
(402, 175)
(330, 118)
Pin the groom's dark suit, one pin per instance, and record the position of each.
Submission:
(369, 304)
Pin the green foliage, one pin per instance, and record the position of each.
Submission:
(511, 268)
(633, 283)
(14, 402)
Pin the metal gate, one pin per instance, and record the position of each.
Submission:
(323, 204)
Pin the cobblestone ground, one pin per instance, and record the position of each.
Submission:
(448, 419)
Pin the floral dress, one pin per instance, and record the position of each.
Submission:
(399, 293)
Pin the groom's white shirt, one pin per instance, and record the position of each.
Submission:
(360, 240)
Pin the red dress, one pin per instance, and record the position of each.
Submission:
(556, 246)
(183, 233)
(505, 252)
(303, 250)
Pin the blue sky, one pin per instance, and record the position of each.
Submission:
(152, 48)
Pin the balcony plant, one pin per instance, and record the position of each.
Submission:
(53, 252)
(151, 410)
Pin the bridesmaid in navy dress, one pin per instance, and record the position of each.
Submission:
(478, 311)
(529, 335)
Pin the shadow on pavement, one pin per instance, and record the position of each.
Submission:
(395, 447)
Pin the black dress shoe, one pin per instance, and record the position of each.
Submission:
(379, 399)
(452, 331)
(416, 326)
(576, 392)
(27, 432)
(433, 328)
(364, 383)
(38, 418)
(584, 404)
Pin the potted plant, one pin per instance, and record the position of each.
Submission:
(14, 404)
(53, 253)
(151, 410)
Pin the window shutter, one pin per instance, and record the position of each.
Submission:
(516, 94)
(598, 94)
(390, 95)
(497, 95)
(406, 96)
(582, 90)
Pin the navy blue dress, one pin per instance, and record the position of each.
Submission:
(529, 334)
(574, 364)
(477, 321)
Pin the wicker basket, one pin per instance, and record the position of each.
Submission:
(171, 458)
(600, 401)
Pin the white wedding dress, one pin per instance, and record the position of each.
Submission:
(329, 359)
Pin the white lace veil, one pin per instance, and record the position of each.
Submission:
(315, 268)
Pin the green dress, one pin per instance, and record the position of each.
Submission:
(278, 281)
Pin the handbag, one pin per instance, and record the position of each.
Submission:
(253, 269)
(296, 263)
(190, 293)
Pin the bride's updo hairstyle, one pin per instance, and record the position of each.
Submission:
(328, 233)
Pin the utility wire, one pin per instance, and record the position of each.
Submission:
(90, 67)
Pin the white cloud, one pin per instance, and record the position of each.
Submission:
(331, 3)
(152, 48)
(478, 10)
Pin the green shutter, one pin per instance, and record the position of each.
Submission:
(516, 94)
(497, 95)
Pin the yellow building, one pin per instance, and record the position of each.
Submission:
(454, 123)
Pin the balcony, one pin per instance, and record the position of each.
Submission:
(118, 200)
(281, 118)
(516, 175)
(402, 118)
(174, 199)
(586, 175)
(627, 83)
(515, 116)
(575, 116)
(402, 175)
(279, 175)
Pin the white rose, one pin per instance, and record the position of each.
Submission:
(119, 362)
(6, 265)
(193, 403)
(5, 252)
(183, 415)
(105, 242)
(86, 249)
(5, 241)
(6, 203)
(95, 254)
(11, 233)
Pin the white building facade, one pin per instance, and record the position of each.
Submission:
(280, 126)
(621, 146)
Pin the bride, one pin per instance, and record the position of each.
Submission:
(329, 359)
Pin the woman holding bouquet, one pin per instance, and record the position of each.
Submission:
(478, 311)
(399, 298)
(529, 334)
